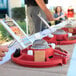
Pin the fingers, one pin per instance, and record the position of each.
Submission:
(2, 53)
(4, 48)
(0, 58)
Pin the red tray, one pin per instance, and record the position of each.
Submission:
(61, 39)
(28, 60)
(67, 30)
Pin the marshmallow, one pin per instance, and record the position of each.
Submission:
(69, 34)
(53, 45)
(30, 52)
(50, 35)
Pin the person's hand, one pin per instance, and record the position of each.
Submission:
(3, 49)
(57, 18)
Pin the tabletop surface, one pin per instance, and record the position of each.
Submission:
(12, 69)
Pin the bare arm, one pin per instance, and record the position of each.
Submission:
(45, 9)
(62, 16)
(57, 18)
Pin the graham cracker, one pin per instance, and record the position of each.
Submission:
(70, 30)
(39, 56)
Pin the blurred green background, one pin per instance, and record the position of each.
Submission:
(18, 14)
(5, 36)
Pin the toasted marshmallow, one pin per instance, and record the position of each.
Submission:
(50, 35)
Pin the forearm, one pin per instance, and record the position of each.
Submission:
(45, 9)
(56, 18)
